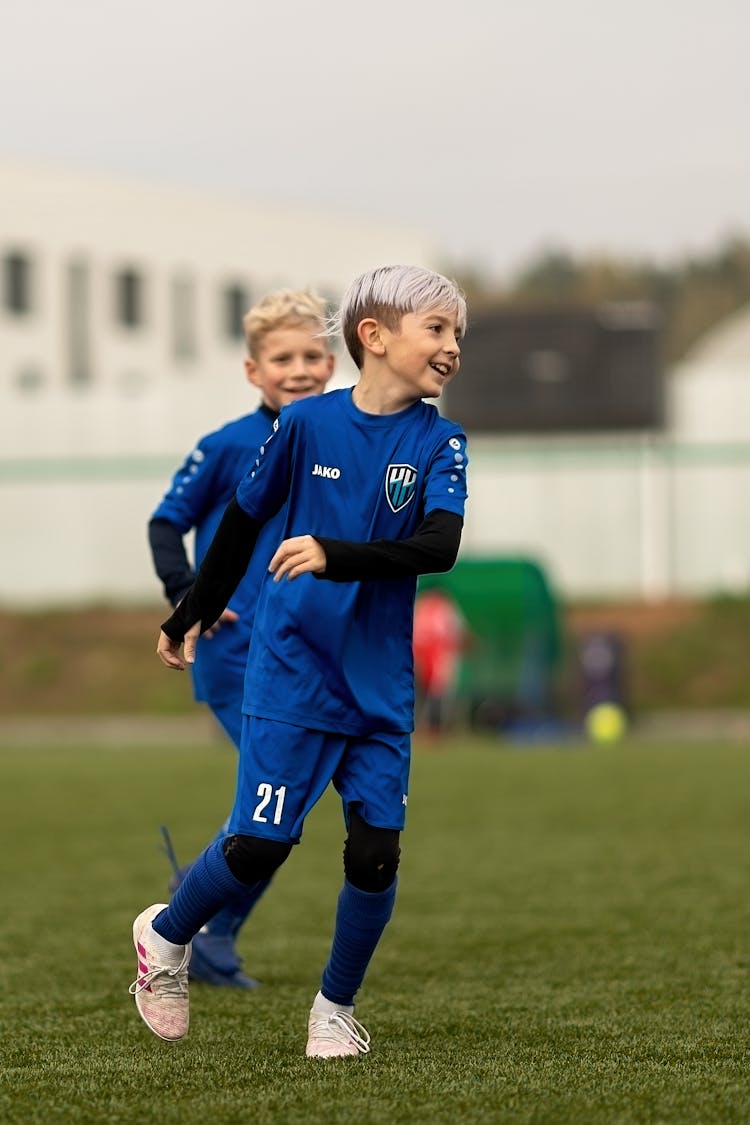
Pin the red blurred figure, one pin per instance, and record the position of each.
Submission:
(439, 639)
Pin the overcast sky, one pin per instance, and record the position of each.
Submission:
(499, 127)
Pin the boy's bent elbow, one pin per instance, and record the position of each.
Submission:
(445, 563)
(444, 532)
(443, 560)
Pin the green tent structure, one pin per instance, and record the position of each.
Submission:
(514, 652)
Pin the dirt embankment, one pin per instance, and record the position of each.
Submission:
(101, 661)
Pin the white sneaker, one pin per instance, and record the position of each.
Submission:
(161, 987)
(334, 1035)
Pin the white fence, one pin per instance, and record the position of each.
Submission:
(639, 517)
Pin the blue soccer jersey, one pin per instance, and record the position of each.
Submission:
(199, 492)
(337, 656)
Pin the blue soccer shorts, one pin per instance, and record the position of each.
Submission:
(284, 771)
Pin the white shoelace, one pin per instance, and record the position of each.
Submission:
(169, 979)
(340, 1027)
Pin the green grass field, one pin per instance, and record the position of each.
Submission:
(571, 943)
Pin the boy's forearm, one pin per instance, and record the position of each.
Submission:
(221, 572)
(432, 549)
(170, 558)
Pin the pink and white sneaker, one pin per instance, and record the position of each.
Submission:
(161, 987)
(333, 1032)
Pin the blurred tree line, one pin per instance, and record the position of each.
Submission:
(693, 294)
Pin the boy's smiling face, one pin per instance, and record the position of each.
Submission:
(423, 352)
(292, 362)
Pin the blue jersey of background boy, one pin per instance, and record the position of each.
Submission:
(200, 491)
(337, 656)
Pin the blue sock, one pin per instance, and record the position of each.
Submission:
(360, 920)
(208, 887)
(228, 921)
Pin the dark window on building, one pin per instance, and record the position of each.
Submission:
(78, 325)
(235, 302)
(17, 282)
(184, 318)
(129, 298)
(561, 369)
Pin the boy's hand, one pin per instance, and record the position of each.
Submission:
(300, 555)
(228, 617)
(168, 650)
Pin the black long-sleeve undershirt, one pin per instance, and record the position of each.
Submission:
(171, 562)
(432, 548)
(220, 573)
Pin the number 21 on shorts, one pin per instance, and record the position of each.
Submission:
(266, 793)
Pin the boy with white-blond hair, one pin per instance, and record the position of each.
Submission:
(288, 358)
(371, 482)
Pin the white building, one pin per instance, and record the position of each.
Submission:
(710, 427)
(711, 387)
(120, 317)
(121, 343)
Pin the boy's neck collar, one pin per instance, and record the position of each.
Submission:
(370, 401)
(380, 417)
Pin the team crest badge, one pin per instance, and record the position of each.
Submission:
(400, 485)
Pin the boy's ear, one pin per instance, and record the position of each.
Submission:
(368, 331)
(251, 371)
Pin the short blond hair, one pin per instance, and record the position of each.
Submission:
(281, 309)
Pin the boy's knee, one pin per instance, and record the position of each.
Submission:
(371, 855)
(252, 858)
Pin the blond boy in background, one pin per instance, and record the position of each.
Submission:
(288, 358)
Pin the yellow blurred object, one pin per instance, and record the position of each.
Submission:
(605, 723)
